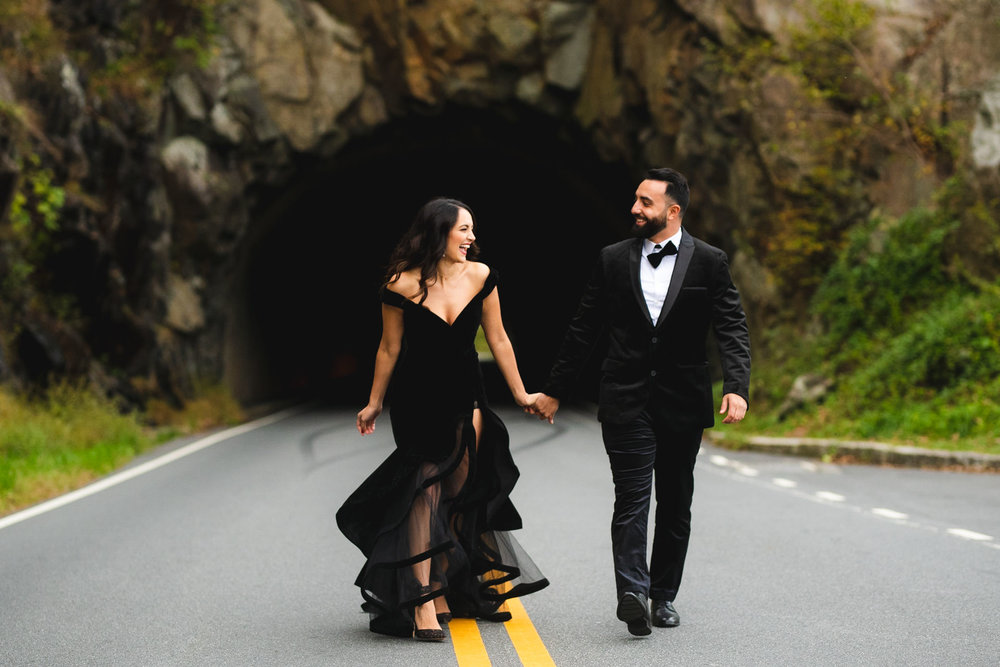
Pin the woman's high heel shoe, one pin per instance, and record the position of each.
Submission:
(428, 635)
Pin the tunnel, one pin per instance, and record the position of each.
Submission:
(305, 314)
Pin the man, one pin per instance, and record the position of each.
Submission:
(657, 296)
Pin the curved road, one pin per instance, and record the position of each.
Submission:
(227, 554)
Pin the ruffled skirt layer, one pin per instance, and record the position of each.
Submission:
(437, 510)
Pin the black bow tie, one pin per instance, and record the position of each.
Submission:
(655, 257)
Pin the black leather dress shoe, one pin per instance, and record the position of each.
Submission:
(633, 608)
(664, 614)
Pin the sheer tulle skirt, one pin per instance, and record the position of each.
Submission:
(432, 528)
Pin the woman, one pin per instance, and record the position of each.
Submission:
(433, 518)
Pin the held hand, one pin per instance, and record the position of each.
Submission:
(734, 407)
(366, 418)
(527, 401)
(546, 407)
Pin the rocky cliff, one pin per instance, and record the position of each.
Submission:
(148, 159)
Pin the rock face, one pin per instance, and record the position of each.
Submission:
(162, 188)
(305, 65)
(986, 131)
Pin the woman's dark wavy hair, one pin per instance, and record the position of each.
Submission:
(425, 241)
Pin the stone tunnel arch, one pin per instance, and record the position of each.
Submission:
(304, 317)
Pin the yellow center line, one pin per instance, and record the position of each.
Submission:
(470, 651)
(469, 648)
(523, 635)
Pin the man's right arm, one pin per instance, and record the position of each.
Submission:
(582, 334)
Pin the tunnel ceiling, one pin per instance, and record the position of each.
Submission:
(305, 313)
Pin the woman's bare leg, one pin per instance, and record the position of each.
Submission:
(453, 485)
(440, 602)
(424, 615)
(477, 424)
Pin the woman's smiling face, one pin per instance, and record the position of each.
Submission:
(460, 237)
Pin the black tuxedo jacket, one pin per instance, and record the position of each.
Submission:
(661, 366)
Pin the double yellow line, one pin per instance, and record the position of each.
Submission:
(471, 651)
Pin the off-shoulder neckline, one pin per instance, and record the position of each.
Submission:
(490, 277)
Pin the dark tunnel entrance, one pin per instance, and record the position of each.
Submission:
(305, 321)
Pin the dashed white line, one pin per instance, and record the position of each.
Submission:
(830, 496)
(969, 534)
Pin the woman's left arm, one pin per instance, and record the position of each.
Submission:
(503, 351)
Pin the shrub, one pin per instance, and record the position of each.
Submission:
(55, 443)
(949, 346)
(889, 270)
(71, 435)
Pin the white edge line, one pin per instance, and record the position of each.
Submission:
(129, 473)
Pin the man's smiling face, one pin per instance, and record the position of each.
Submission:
(653, 211)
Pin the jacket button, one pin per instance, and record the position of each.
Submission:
(654, 340)
(652, 373)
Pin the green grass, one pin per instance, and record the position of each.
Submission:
(71, 436)
(936, 424)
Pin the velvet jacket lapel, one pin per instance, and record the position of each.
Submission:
(634, 257)
(684, 254)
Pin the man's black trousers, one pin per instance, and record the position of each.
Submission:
(640, 451)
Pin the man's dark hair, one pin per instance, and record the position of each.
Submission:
(677, 185)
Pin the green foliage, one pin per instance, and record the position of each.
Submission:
(888, 270)
(843, 109)
(952, 346)
(34, 218)
(203, 26)
(902, 312)
(964, 418)
(976, 244)
(908, 331)
(26, 33)
(35, 209)
(832, 54)
(12, 113)
(59, 441)
(212, 404)
(744, 63)
(825, 51)
(813, 205)
(159, 38)
(807, 230)
(72, 435)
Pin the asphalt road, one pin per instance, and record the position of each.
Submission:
(229, 555)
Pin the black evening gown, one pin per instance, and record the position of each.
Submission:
(439, 497)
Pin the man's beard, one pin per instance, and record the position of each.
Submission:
(652, 227)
